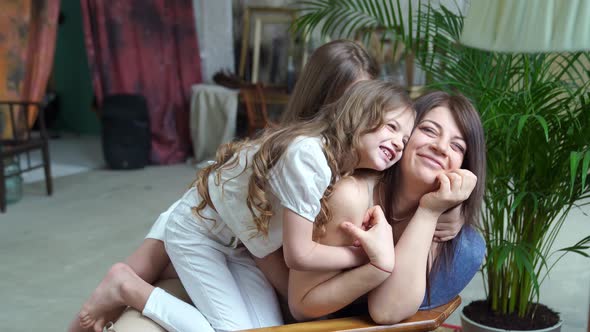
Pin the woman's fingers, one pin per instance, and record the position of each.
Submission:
(463, 182)
(449, 224)
(455, 187)
(468, 180)
(443, 239)
(444, 231)
(455, 180)
(445, 183)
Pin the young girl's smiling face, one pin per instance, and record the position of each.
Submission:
(380, 149)
(436, 145)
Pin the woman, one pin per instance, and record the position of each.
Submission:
(446, 152)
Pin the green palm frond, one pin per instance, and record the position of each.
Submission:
(535, 109)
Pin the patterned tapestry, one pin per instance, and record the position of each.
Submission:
(147, 47)
(28, 30)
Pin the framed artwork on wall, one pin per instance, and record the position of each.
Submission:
(270, 54)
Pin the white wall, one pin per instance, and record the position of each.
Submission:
(214, 23)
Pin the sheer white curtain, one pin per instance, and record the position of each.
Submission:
(215, 33)
(528, 25)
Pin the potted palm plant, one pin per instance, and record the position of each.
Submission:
(535, 109)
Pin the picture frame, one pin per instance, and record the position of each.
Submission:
(275, 54)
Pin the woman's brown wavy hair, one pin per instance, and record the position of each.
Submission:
(474, 160)
(360, 110)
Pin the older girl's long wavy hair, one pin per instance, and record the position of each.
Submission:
(474, 160)
(331, 69)
(360, 110)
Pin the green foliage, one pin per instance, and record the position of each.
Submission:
(535, 109)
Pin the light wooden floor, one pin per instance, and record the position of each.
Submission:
(54, 250)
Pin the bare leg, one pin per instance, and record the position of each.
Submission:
(169, 273)
(149, 261)
(274, 268)
(121, 286)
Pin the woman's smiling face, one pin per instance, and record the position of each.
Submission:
(436, 145)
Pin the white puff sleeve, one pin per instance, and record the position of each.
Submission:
(301, 177)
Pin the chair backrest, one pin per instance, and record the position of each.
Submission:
(17, 113)
(256, 108)
(17, 139)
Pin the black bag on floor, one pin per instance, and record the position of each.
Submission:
(125, 131)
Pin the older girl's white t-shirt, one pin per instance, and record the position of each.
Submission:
(297, 182)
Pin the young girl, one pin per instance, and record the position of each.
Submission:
(254, 189)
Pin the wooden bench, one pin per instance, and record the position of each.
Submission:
(426, 320)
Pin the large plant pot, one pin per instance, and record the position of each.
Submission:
(471, 326)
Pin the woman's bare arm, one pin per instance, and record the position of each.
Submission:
(449, 225)
(401, 294)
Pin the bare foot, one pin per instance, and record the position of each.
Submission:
(106, 298)
(75, 326)
(112, 316)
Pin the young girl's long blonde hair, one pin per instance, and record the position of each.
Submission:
(360, 110)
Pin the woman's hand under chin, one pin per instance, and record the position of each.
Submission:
(454, 188)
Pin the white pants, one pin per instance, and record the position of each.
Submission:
(158, 230)
(173, 314)
(222, 280)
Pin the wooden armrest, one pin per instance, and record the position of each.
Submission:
(426, 320)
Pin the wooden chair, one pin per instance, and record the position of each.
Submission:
(426, 320)
(256, 108)
(23, 141)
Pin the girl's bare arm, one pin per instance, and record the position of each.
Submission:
(302, 253)
(315, 294)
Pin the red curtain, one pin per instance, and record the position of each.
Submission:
(28, 30)
(147, 47)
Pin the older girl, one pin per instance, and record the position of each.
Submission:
(331, 69)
